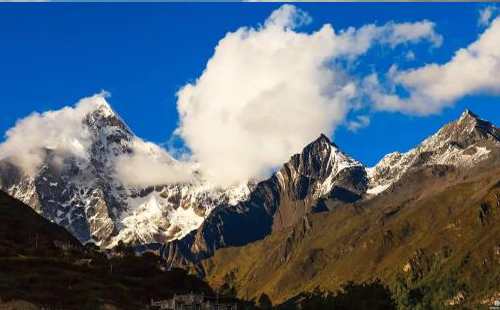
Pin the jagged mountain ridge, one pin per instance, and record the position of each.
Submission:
(84, 196)
(90, 203)
(320, 171)
(462, 143)
(445, 188)
(323, 173)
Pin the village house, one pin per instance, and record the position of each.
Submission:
(192, 302)
(66, 247)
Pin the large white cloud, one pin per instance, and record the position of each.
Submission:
(268, 91)
(472, 70)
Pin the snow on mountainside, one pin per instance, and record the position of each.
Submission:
(84, 194)
(337, 162)
(323, 164)
(171, 212)
(321, 170)
(463, 143)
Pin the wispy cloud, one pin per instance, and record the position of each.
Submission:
(61, 130)
(65, 133)
(361, 121)
(486, 14)
(472, 70)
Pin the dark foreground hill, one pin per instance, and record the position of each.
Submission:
(25, 232)
(41, 263)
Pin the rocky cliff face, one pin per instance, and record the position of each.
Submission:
(85, 196)
(320, 171)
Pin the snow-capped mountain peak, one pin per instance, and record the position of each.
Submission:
(336, 162)
(104, 108)
(322, 163)
(462, 143)
(85, 194)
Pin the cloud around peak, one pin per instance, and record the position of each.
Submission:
(65, 134)
(27, 142)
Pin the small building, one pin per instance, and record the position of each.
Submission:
(66, 247)
(192, 302)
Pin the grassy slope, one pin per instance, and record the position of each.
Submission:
(431, 224)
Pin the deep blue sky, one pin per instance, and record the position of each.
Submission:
(52, 54)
